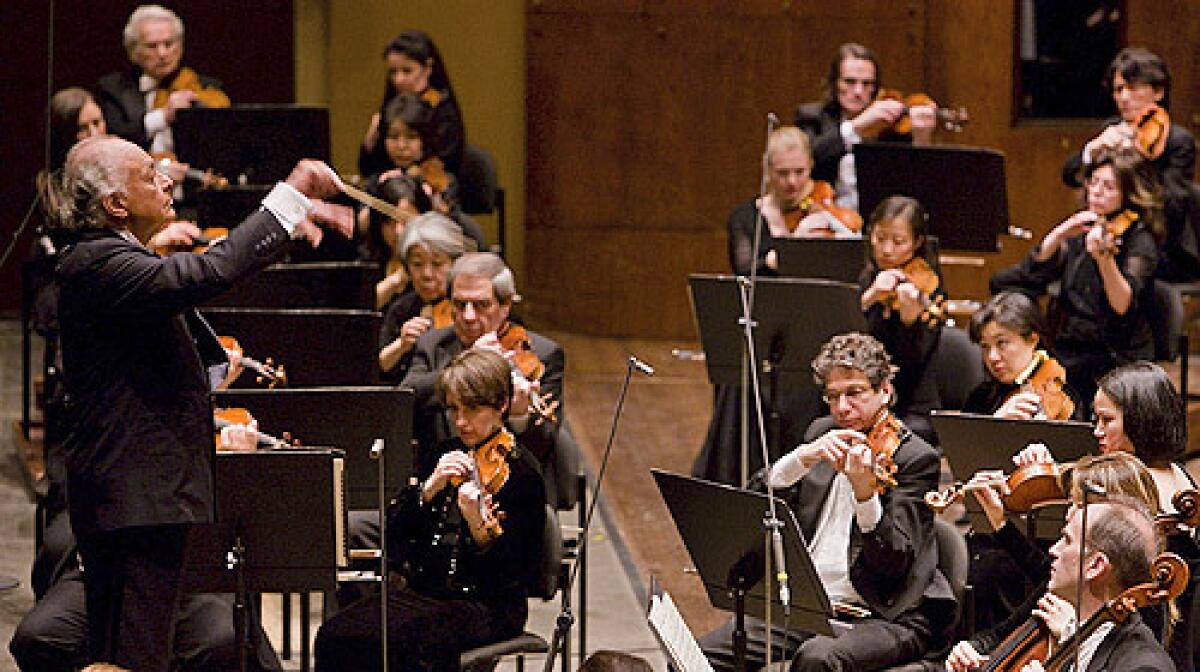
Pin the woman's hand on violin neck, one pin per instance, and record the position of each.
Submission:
(469, 502)
(910, 303)
(1020, 406)
(523, 390)
(1100, 244)
(454, 464)
(964, 658)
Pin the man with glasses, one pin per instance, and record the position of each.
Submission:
(850, 113)
(872, 544)
(482, 292)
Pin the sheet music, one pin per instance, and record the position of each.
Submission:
(339, 513)
(675, 636)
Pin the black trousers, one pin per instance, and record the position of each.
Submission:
(132, 581)
(870, 644)
(424, 633)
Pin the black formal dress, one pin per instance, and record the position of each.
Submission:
(447, 594)
(124, 104)
(893, 567)
(139, 450)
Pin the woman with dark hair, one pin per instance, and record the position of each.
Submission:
(74, 115)
(897, 311)
(1009, 332)
(849, 113)
(415, 67)
(1107, 274)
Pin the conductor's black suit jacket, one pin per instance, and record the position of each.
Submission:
(140, 440)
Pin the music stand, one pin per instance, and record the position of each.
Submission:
(972, 443)
(350, 418)
(794, 317)
(254, 546)
(320, 284)
(962, 188)
(251, 144)
(722, 529)
(838, 259)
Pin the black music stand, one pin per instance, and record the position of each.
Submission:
(317, 346)
(838, 259)
(722, 529)
(319, 284)
(794, 319)
(350, 418)
(971, 443)
(963, 188)
(256, 545)
(251, 144)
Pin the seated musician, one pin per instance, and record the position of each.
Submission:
(1121, 542)
(140, 104)
(874, 551)
(1024, 381)
(430, 244)
(796, 206)
(1106, 273)
(850, 113)
(469, 547)
(901, 297)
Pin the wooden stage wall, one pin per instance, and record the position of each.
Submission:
(645, 125)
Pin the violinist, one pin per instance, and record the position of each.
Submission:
(1024, 381)
(1121, 541)
(901, 298)
(851, 112)
(430, 245)
(795, 207)
(1104, 256)
(466, 548)
(415, 67)
(872, 547)
(140, 104)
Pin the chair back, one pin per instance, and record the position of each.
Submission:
(477, 182)
(957, 367)
(550, 566)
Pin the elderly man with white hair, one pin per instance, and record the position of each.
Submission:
(140, 103)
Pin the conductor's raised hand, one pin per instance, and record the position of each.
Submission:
(318, 181)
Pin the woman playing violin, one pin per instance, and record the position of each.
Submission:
(901, 296)
(1106, 273)
(851, 112)
(415, 67)
(460, 579)
(1024, 381)
(430, 245)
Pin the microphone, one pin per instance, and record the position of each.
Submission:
(772, 121)
(641, 366)
(781, 575)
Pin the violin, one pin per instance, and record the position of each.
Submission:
(884, 437)
(490, 472)
(1185, 517)
(1029, 487)
(526, 365)
(431, 171)
(226, 417)
(207, 178)
(820, 198)
(441, 314)
(952, 119)
(267, 371)
(1151, 131)
(1046, 378)
(186, 79)
(921, 275)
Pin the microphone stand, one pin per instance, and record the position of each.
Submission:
(566, 619)
(772, 537)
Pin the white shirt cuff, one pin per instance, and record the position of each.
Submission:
(849, 136)
(155, 121)
(786, 471)
(288, 205)
(868, 513)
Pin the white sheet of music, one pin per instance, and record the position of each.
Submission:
(675, 636)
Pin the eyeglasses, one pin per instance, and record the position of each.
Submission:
(856, 395)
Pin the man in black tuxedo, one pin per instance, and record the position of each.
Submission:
(873, 551)
(153, 39)
(136, 364)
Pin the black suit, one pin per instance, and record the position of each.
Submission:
(139, 449)
(1131, 647)
(124, 104)
(893, 568)
(822, 122)
(1176, 165)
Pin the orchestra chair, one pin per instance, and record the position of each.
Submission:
(552, 577)
(957, 366)
(953, 560)
(479, 191)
